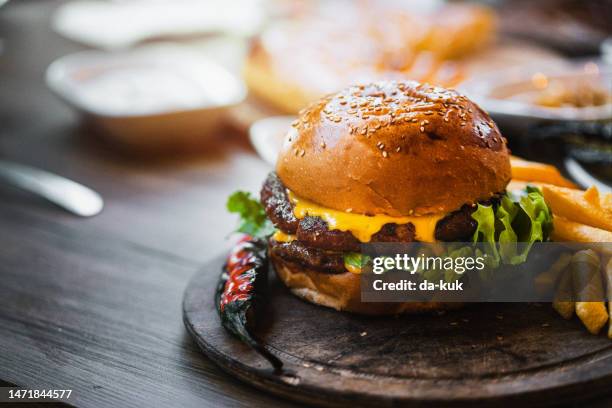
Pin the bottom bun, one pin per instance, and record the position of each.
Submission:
(343, 291)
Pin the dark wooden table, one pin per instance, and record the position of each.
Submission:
(95, 304)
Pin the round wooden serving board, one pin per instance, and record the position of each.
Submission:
(485, 354)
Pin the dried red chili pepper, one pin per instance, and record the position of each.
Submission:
(243, 278)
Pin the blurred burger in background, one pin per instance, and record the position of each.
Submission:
(334, 44)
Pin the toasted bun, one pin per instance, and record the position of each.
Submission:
(342, 291)
(395, 148)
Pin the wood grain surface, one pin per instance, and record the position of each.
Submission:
(484, 355)
(95, 304)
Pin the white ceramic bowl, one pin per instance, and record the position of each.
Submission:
(150, 97)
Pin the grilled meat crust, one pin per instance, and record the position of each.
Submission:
(313, 231)
(313, 258)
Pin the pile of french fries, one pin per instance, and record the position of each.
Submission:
(578, 216)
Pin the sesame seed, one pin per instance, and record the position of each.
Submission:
(422, 129)
(323, 145)
(385, 154)
(302, 153)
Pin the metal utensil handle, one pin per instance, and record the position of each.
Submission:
(583, 177)
(68, 194)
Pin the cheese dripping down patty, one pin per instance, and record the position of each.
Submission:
(364, 226)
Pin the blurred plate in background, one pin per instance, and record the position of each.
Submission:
(122, 24)
(267, 136)
(522, 97)
(150, 97)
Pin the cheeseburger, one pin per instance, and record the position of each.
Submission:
(384, 162)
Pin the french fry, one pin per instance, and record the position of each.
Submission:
(570, 231)
(546, 281)
(593, 315)
(583, 207)
(538, 172)
(607, 201)
(586, 279)
(562, 303)
(586, 276)
(608, 279)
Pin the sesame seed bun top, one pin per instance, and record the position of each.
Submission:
(395, 148)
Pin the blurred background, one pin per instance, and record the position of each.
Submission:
(167, 106)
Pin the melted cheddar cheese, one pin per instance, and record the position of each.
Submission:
(364, 226)
(280, 236)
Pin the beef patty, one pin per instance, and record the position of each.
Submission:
(313, 231)
(312, 258)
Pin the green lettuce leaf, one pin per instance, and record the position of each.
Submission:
(253, 220)
(509, 230)
(355, 259)
(485, 233)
